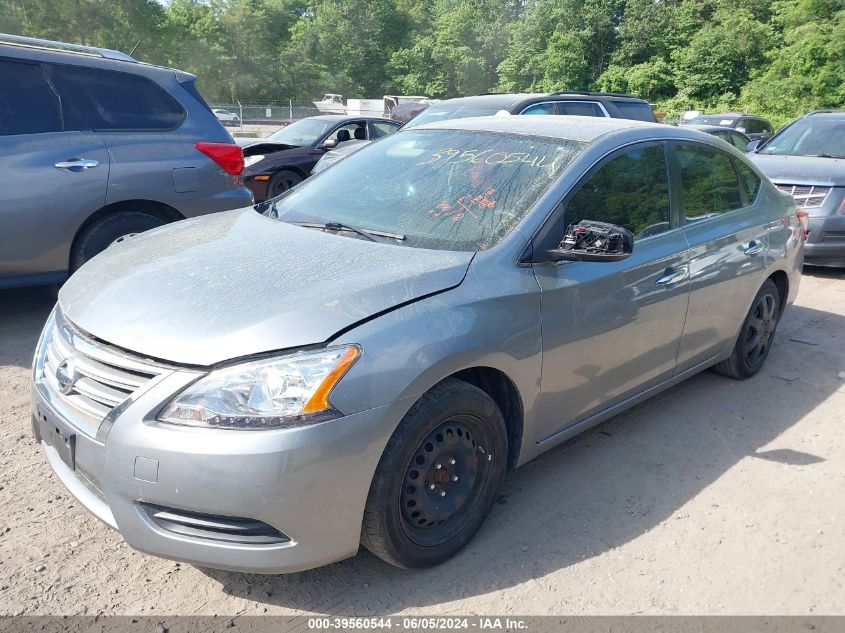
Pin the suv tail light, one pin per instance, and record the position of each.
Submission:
(228, 155)
(804, 221)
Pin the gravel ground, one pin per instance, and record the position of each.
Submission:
(717, 497)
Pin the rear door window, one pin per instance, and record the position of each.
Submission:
(634, 110)
(540, 108)
(580, 108)
(631, 190)
(381, 128)
(749, 181)
(28, 103)
(117, 101)
(709, 183)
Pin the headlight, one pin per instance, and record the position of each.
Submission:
(281, 392)
(251, 160)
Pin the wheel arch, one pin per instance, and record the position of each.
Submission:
(159, 210)
(781, 281)
(504, 392)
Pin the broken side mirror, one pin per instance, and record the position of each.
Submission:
(589, 241)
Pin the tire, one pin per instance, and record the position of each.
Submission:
(282, 181)
(756, 336)
(107, 230)
(419, 515)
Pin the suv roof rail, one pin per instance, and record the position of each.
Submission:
(63, 47)
(595, 94)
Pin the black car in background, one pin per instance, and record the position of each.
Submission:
(806, 159)
(729, 135)
(564, 102)
(286, 157)
(755, 128)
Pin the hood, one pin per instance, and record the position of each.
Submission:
(231, 284)
(268, 147)
(801, 170)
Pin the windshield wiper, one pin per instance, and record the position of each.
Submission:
(822, 156)
(370, 234)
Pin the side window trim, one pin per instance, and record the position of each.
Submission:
(675, 166)
(544, 236)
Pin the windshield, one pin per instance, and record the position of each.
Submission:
(810, 137)
(441, 189)
(445, 112)
(302, 132)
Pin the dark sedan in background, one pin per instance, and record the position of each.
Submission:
(729, 135)
(286, 157)
(754, 127)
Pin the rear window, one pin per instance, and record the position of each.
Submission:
(443, 113)
(28, 104)
(116, 101)
(634, 110)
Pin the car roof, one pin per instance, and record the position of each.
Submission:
(833, 115)
(711, 128)
(493, 100)
(729, 115)
(348, 117)
(576, 128)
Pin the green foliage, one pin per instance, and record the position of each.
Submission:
(779, 58)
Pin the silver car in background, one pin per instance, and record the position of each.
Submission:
(343, 370)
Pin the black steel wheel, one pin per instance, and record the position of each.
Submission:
(444, 480)
(756, 335)
(438, 477)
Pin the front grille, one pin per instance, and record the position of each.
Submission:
(806, 196)
(87, 377)
(834, 236)
(214, 526)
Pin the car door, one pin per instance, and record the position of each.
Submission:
(727, 239)
(612, 329)
(55, 172)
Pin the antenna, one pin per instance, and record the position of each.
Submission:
(132, 52)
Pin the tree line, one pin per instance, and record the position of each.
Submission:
(779, 58)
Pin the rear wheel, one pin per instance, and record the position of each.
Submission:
(756, 336)
(108, 230)
(283, 181)
(438, 477)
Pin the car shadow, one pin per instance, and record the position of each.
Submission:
(23, 312)
(600, 490)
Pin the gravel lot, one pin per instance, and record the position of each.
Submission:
(717, 497)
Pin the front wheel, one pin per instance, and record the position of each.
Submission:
(756, 336)
(282, 181)
(438, 477)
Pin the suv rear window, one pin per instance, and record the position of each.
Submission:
(115, 101)
(634, 110)
(28, 104)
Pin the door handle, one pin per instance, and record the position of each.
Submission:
(77, 164)
(673, 276)
(753, 248)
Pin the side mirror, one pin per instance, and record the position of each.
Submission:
(740, 129)
(328, 144)
(753, 145)
(589, 241)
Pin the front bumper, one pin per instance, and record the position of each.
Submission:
(308, 483)
(259, 188)
(825, 245)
